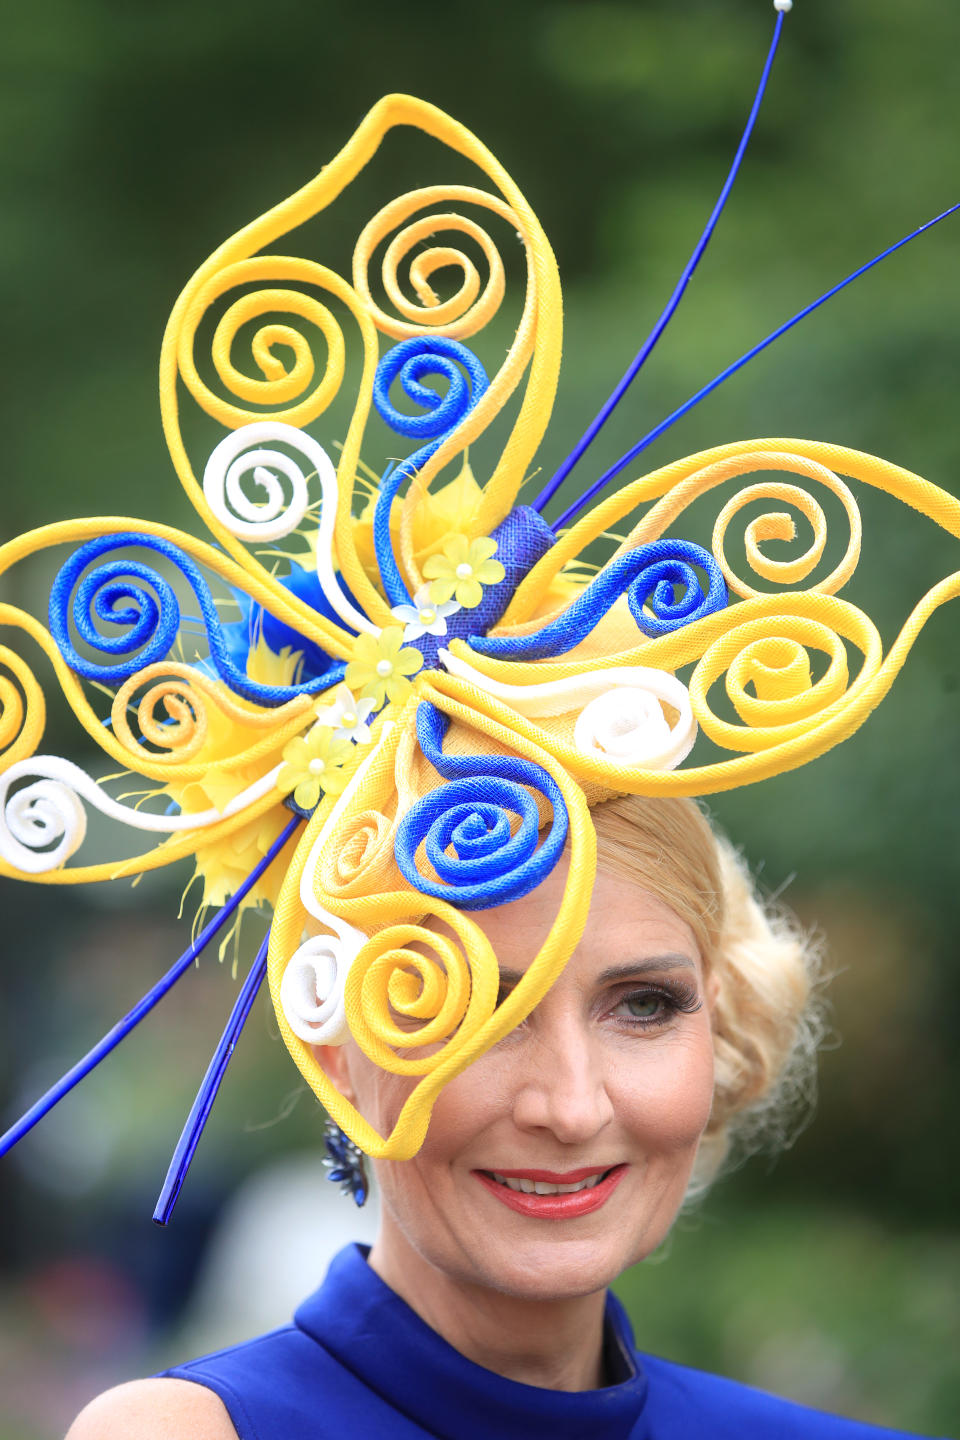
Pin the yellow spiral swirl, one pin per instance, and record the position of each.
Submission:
(22, 709)
(190, 700)
(282, 381)
(772, 654)
(674, 487)
(765, 648)
(780, 525)
(398, 998)
(184, 729)
(469, 308)
(361, 857)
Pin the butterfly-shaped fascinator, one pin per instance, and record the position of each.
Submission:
(385, 691)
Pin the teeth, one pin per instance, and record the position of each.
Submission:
(543, 1187)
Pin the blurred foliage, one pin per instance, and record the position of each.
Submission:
(134, 140)
(820, 1305)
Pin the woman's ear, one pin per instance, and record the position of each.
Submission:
(334, 1061)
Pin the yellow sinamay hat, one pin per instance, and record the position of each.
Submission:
(425, 678)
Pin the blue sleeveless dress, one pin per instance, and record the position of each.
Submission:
(358, 1364)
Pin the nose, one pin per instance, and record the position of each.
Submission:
(563, 1088)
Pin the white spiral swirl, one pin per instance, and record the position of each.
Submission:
(311, 991)
(627, 725)
(52, 807)
(40, 814)
(232, 459)
(273, 518)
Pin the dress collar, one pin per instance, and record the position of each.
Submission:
(375, 1335)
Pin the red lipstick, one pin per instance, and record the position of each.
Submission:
(554, 1207)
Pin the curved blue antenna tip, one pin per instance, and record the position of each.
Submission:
(646, 349)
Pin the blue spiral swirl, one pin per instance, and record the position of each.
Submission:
(111, 594)
(471, 814)
(409, 362)
(650, 574)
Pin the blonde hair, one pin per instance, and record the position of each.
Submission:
(768, 1016)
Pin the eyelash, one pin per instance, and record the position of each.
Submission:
(677, 999)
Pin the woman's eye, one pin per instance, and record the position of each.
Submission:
(657, 1007)
(645, 1006)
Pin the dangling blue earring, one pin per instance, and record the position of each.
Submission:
(344, 1162)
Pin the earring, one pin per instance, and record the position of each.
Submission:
(344, 1162)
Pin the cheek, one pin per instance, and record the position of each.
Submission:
(466, 1105)
(378, 1095)
(665, 1095)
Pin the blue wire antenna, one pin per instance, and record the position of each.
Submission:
(143, 1007)
(583, 500)
(207, 1094)
(646, 349)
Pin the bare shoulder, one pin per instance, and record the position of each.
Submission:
(154, 1410)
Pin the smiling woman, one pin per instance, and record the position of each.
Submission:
(453, 736)
(607, 1086)
(558, 1159)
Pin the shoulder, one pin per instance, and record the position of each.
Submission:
(709, 1407)
(154, 1410)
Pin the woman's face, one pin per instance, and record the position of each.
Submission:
(607, 1086)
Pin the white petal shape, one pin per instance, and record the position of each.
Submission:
(359, 733)
(413, 631)
(343, 704)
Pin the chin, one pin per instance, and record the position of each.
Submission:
(563, 1268)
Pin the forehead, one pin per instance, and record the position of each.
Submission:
(625, 922)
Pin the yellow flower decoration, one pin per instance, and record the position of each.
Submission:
(314, 765)
(462, 569)
(381, 666)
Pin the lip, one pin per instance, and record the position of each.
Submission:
(554, 1207)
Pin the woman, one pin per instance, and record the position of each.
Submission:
(429, 674)
(556, 1160)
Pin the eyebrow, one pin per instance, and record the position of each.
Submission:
(627, 971)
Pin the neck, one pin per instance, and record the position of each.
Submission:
(553, 1344)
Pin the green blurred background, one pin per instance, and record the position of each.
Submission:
(135, 139)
